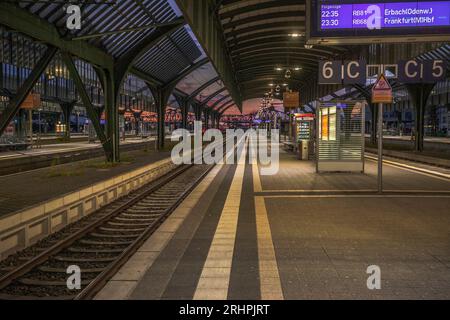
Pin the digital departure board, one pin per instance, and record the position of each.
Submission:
(353, 21)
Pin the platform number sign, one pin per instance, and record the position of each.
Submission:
(354, 72)
(330, 72)
(336, 72)
(427, 71)
(408, 71)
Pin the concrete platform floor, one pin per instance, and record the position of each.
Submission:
(240, 235)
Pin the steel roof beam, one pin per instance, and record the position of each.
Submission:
(224, 98)
(203, 87)
(228, 104)
(126, 30)
(14, 104)
(205, 102)
(207, 28)
(288, 25)
(279, 54)
(126, 61)
(31, 25)
(173, 83)
(257, 67)
(224, 110)
(263, 17)
(260, 6)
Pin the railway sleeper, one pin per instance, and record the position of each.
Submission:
(87, 250)
(75, 260)
(129, 224)
(105, 243)
(47, 283)
(62, 270)
(114, 236)
(119, 229)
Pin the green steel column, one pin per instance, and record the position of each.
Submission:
(112, 115)
(91, 111)
(419, 94)
(206, 113)
(160, 102)
(67, 111)
(184, 113)
(22, 92)
(197, 112)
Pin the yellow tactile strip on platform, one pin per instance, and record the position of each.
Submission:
(270, 283)
(215, 278)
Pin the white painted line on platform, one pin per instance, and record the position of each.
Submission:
(410, 168)
(354, 191)
(318, 191)
(269, 277)
(220, 255)
(358, 196)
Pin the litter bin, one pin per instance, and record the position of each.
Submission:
(303, 150)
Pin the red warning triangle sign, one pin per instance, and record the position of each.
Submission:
(382, 84)
(382, 91)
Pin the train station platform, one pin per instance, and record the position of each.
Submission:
(30, 188)
(297, 235)
(59, 153)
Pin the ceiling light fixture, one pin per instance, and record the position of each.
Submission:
(288, 74)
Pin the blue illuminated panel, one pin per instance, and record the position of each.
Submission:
(376, 15)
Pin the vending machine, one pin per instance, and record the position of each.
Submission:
(304, 124)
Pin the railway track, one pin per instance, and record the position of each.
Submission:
(100, 245)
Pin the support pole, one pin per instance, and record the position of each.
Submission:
(112, 114)
(419, 94)
(184, 114)
(373, 123)
(67, 111)
(380, 148)
(206, 112)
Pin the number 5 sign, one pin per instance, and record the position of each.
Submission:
(427, 71)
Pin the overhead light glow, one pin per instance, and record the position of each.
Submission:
(278, 69)
(297, 68)
(295, 35)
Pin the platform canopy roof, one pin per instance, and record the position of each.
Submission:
(265, 38)
(151, 34)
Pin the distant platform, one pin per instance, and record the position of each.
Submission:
(51, 154)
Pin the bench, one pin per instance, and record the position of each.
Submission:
(289, 146)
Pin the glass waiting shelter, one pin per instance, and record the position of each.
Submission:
(341, 138)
